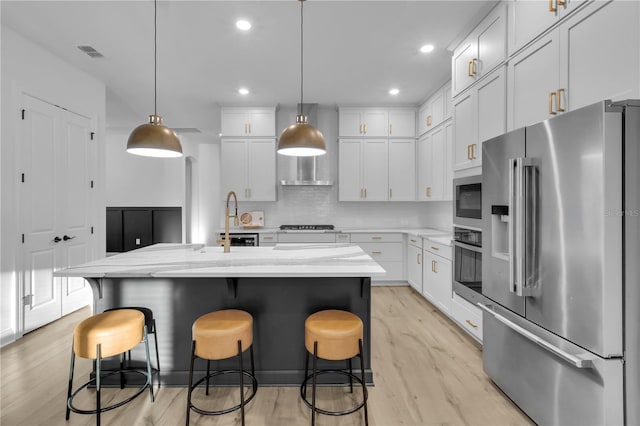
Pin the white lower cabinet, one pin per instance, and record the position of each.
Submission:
(267, 239)
(414, 262)
(436, 275)
(467, 315)
(386, 249)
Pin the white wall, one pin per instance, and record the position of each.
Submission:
(28, 68)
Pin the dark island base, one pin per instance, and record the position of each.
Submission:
(279, 307)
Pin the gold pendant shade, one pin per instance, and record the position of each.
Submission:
(301, 139)
(154, 139)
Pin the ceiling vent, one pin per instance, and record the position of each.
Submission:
(91, 51)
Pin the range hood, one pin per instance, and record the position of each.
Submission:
(306, 166)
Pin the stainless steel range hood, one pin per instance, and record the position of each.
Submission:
(306, 166)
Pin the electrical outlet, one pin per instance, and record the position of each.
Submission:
(137, 241)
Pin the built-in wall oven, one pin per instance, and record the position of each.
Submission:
(467, 264)
(467, 205)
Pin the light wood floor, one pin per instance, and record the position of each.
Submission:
(448, 387)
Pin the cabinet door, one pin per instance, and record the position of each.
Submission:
(375, 170)
(350, 170)
(375, 123)
(350, 122)
(414, 267)
(262, 122)
(462, 64)
(593, 64)
(234, 122)
(464, 129)
(402, 170)
(233, 168)
(532, 78)
(448, 162)
(447, 95)
(424, 116)
(436, 106)
(492, 109)
(262, 170)
(442, 287)
(402, 123)
(529, 18)
(492, 40)
(436, 176)
(428, 282)
(423, 150)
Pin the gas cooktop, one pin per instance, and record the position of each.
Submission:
(306, 227)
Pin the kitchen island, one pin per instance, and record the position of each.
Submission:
(280, 286)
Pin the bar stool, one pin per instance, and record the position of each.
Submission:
(102, 336)
(220, 335)
(333, 335)
(150, 322)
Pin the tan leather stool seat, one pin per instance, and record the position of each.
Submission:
(115, 331)
(217, 333)
(337, 333)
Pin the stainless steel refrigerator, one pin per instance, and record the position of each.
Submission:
(560, 262)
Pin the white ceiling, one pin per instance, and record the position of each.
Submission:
(354, 51)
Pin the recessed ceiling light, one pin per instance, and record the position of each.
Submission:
(394, 91)
(243, 25)
(243, 91)
(427, 48)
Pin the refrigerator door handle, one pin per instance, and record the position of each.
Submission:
(517, 229)
(579, 361)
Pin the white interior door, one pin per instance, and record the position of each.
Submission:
(55, 202)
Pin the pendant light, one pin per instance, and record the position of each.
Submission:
(153, 139)
(301, 139)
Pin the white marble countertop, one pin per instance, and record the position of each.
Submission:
(196, 260)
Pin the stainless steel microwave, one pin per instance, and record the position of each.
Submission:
(467, 202)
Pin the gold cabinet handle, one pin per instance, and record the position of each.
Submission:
(365, 129)
(473, 152)
(418, 258)
(365, 193)
(376, 252)
(428, 120)
(469, 157)
(413, 241)
(471, 324)
(390, 128)
(433, 266)
(551, 96)
(361, 192)
(268, 238)
(559, 92)
(376, 238)
(561, 2)
(552, 7)
(469, 66)
(249, 127)
(390, 193)
(435, 248)
(474, 68)
(429, 191)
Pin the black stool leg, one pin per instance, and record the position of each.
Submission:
(208, 371)
(350, 376)
(149, 374)
(123, 357)
(98, 366)
(241, 382)
(155, 339)
(306, 372)
(364, 386)
(71, 367)
(313, 388)
(193, 356)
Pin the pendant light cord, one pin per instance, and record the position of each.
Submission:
(155, 57)
(301, 56)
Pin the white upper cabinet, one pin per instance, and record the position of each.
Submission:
(529, 18)
(402, 169)
(402, 123)
(248, 122)
(377, 122)
(482, 51)
(360, 122)
(435, 160)
(435, 110)
(579, 62)
(248, 168)
(363, 170)
(478, 115)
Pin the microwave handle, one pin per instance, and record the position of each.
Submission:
(521, 206)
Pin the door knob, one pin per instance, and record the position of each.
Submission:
(67, 238)
(57, 239)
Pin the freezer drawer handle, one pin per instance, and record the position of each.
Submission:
(579, 361)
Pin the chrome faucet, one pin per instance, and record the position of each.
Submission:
(227, 242)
